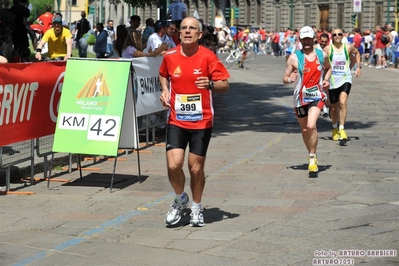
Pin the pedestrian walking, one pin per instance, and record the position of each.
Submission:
(189, 75)
(100, 47)
(309, 70)
(111, 38)
(83, 26)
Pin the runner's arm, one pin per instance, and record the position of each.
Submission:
(327, 72)
(165, 94)
(291, 74)
(355, 51)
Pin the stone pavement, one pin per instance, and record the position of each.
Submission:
(261, 207)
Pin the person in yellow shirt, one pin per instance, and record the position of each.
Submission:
(59, 41)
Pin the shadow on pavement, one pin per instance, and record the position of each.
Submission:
(104, 180)
(255, 108)
(210, 216)
(304, 167)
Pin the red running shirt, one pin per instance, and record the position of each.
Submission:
(47, 20)
(308, 88)
(191, 108)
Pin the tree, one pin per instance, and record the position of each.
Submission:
(39, 7)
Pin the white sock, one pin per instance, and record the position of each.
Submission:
(196, 205)
(335, 125)
(179, 197)
(312, 154)
(341, 127)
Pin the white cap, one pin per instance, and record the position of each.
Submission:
(306, 32)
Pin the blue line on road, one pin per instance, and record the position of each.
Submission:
(91, 232)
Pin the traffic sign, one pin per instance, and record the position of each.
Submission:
(236, 12)
(233, 30)
(92, 10)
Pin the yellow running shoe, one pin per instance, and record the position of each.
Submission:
(335, 134)
(313, 165)
(342, 135)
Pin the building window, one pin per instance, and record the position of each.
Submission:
(277, 18)
(340, 16)
(74, 2)
(306, 16)
(378, 18)
(248, 13)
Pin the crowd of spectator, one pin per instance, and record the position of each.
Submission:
(111, 42)
(276, 43)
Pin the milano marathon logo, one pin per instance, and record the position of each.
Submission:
(96, 86)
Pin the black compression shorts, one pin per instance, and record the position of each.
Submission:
(334, 93)
(198, 139)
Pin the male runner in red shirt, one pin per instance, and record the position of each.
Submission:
(188, 75)
(311, 80)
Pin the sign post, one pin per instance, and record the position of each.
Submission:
(91, 108)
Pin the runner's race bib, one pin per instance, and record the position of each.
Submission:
(188, 107)
(311, 94)
(339, 67)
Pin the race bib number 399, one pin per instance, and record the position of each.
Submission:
(188, 107)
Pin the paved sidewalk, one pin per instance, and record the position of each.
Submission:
(261, 207)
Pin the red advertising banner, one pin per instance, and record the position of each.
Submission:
(29, 97)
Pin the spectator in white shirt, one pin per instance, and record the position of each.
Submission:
(158, 37)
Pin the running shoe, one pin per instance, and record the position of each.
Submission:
(313, 165)
(174, 214)
(342, 135)
(335, 134)
(326, 112)
(197, 219)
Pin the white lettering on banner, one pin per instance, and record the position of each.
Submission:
(15, 98)
(52, 107)
(89, 103)
(149, 85)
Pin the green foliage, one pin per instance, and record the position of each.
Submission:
(39, 7)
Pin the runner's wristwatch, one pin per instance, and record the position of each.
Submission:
(211, 85)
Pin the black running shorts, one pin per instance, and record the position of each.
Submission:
(302, 111)
(197, 139)
(334, 93)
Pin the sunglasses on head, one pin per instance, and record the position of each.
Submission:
(337, 34)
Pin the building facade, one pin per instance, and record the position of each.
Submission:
(270, 14)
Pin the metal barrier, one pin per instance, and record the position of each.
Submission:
(20, 152)
(14, 154)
